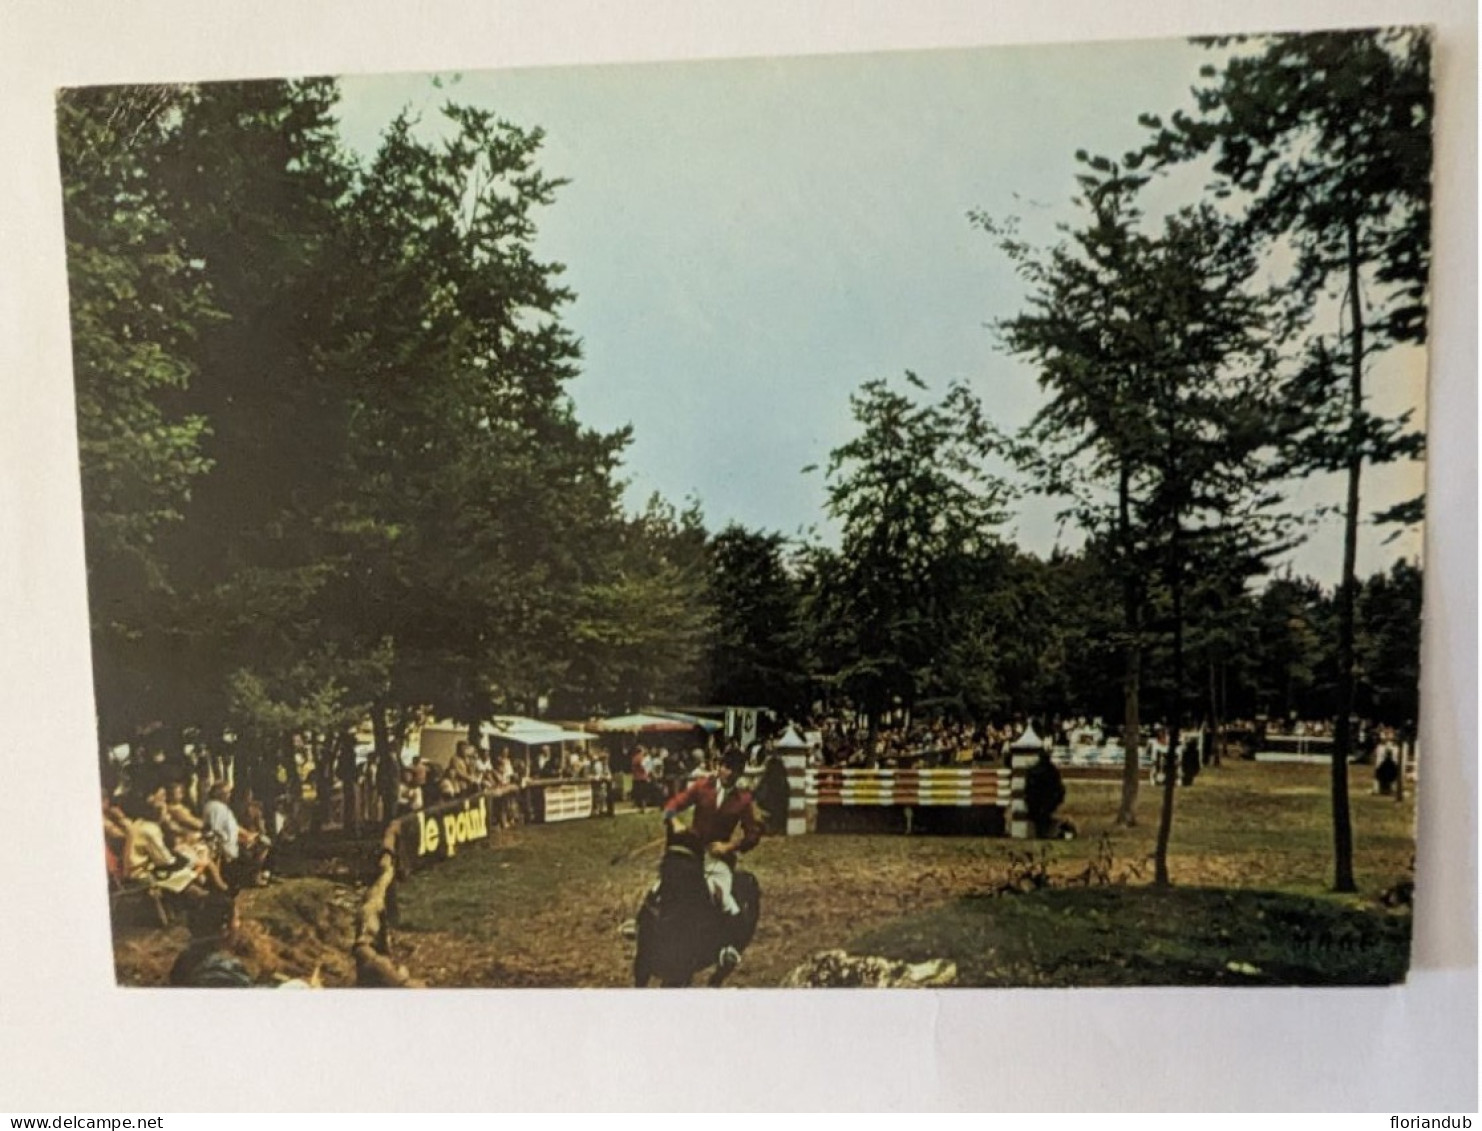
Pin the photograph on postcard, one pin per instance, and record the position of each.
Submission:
(936, 518)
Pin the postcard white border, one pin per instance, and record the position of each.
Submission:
(71, 1040)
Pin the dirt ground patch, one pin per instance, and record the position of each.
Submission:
(542, 906)
(289, 930)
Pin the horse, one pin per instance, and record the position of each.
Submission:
(681, 929)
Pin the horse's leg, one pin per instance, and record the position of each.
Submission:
(742, 927)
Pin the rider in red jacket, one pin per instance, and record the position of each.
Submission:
(726, 821)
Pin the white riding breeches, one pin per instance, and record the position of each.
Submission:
(718, 876)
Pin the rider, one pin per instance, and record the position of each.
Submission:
(726, 821)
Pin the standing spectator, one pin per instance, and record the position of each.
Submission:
(458, 777)
(409, 793)
(1387, 772)
(1189, 761)
(641, 795)
(601, 775)
(1044, 792)
(483, 768)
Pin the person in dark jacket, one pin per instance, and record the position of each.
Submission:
(1387, 772)
(1189, 761)
(209, 959)
(1044, 792)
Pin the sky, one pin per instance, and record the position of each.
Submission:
(749, 241)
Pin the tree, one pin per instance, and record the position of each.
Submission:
(367, 489)
(252, 180)
(1293, 675)
(1159, 355)
(1328, 136)
(915, 504)
(1081, 331)
(1217, 414)
(756, 655)
(482, 512)
(1388, 646)
(138, 300)
(642, 629)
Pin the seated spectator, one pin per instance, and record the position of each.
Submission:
(115, 823)
(145, 856)
(115, 837)
(178, 815)
(185, 838)
(244, 854)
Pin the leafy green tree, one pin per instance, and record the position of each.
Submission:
(1217, 413)
(642, 629)
(1326, 137)
(1158, 355)
(1090, 441)
(252, 179)
(367, 487)
(915, 503)
(138, 301)
(482, 510)
(1293, 619)
(1388, 646)
(757, 654)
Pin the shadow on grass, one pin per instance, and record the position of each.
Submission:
(1143, 936)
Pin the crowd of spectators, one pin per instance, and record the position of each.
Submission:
(658, 773)
(162, 836)
(472, 770)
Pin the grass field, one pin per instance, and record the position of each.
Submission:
(1250, 863)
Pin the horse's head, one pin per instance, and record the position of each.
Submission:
(681, 871)
(683, 842)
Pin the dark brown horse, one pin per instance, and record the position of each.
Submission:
(681, 930)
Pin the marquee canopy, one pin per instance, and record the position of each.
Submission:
(643, 724)
(531, 732)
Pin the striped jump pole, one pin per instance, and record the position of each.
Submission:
(793, 750)
(1023, 753)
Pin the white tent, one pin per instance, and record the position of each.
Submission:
(1028, 740)
(531, 732)
(791, 740)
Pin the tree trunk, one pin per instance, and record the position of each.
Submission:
(1221, 744)
(388, 762)
(1170, 757)
(1343, 880)
(1132, 679)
